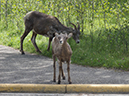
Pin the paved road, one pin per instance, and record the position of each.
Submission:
(31, 68)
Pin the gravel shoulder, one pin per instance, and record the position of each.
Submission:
(36, 69)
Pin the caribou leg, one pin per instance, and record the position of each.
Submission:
(54, 67)
(63, 76)
(68, 70)
(60, 71)
(27, 30)
(34, 43)
(50, 39)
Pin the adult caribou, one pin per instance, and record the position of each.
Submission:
(45, 25)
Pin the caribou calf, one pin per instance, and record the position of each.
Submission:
(62, 50)
(45, 25)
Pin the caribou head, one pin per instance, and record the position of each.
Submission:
(76, 32)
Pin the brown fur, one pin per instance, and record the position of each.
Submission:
(63, 52)
(45, 25)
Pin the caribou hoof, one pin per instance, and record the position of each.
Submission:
(22, 52)
(39, 51)
(48, 49)
(70, 82)
(54, 80)
(64, 78)
(59, 82)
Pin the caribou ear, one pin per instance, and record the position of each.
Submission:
(70, 35)
(56, 34)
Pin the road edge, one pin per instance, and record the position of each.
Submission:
(65, 88)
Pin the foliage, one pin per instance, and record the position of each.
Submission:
(104, 28)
